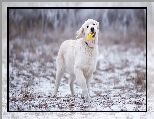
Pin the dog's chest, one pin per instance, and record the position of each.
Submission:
(86, 56)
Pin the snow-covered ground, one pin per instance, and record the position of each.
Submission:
(119, 82)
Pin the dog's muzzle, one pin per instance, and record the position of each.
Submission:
(94, 34)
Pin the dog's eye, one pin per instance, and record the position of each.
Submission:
(87, 26)
(93, 24)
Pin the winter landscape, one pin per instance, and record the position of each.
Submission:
(119, 82)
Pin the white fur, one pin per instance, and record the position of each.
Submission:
(78, 59)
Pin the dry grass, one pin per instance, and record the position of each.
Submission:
(32, 62)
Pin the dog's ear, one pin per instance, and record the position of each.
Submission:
(97, 24)
(81, 30)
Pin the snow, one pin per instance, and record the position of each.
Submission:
(32, 81)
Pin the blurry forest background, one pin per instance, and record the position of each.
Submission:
(65, 22)
(35, 36)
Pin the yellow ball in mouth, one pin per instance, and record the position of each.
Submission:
(90, 36)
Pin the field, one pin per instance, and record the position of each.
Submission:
(119, 83)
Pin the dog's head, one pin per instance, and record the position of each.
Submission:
(90, 26)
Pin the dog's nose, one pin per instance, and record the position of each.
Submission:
(92, 29)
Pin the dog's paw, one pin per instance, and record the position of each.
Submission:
(74, 95)
(53, 95)
(87, 99)
(84, 94)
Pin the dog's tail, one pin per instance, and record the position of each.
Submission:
(60, 63)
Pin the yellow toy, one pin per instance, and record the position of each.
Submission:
(90, 36)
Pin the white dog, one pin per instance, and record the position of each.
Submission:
(79, 58)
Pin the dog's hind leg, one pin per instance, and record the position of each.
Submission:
(81, 81)
(59, 75)
(59, 72)
(72, 79)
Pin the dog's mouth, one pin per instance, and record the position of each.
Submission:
(94, 34)
(91, 35)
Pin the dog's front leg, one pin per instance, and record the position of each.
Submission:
(81, 81)
(89, 78)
